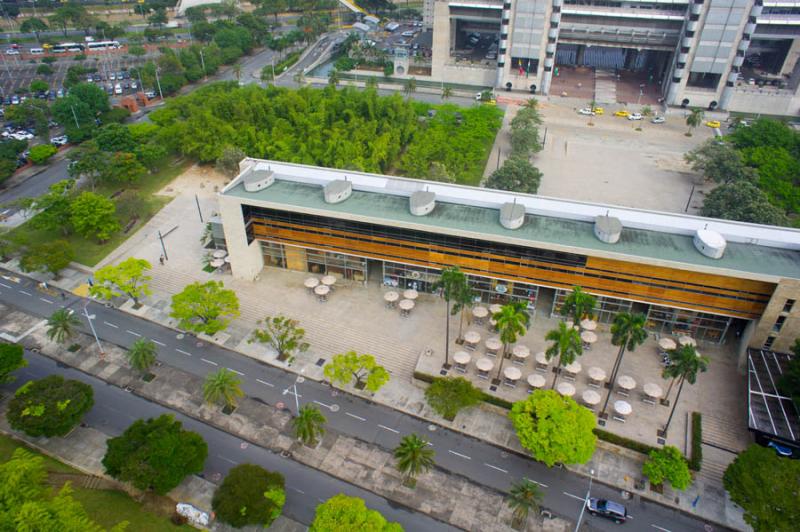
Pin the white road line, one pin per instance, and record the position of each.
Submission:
(459, 454)
(266, 383)
(237, 372)
(298, 491)
(111, 325)
(355, 416)
(659, 528)
(46, 300)
(26, 293)
(495, 467)
(536, 482)
(158, 343)
(390, 430)
(181, 351)
(131, 332)
(209, 362)
(573, 496)
(322, 404)
(227, 459)
(4, 285)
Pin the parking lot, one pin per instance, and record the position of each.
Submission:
(409, 35)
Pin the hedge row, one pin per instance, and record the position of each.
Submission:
(696, 456)
(633, 445)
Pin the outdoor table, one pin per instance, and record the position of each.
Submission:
(623, 409)
(652, 392)
(590, 398)
(667, 344)
(687, 340)
(626, 384)
(471, 339)
(311, 283)
(541, 361)
(588, 338)
(495, 308)
(565, 389)
(572, 370)
(484, 366)
(410, 294)
(596, 376)
(329, 280)
(219, 254)
(227, 259)
(461, 358)
(391, 298)
(480, 313)
(493, 345)
(520, 352)
(535, 381)
(217, 263)
(405, 307)
(512, 375)
(588, 325)
(322, 291)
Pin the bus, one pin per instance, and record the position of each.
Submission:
(103, 45)
(67, 47)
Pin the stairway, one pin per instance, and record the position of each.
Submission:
(605, 87)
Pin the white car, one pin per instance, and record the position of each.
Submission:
(586, 111)
(12, 51)
(134, 85)
(635, 116)
(59, 141)
(658, 120)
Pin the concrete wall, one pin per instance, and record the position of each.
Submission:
(247, 260)
(787, 289)
(769, 102)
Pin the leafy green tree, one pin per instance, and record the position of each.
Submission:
(94, 216)
(765, 486)
(578, 305)
(789, 381)
(694, 119)
(89, 162)
(744, 202)
(50, 406)
(205, 308)
(41, 153)
(228, 162)
(567, 346)
(33, 25)
(778, 172)
(155, 454)
(516, 175)
(283, 334)
(523, 497)
(61, 325)
(128, 278)
(349, 514)
(333, 77)
(447, 92)
(457, 293)
(38, 85)
(511, 322)
(50, 257)
(222, 386)
(115, 137)
(554, 429)
(410, 86)
(31, 112)
(686, 364)
(309, 425)
(12, 358)
(439, 172)
(449, 395)
(667, 464)
(142, 355)
(719, 162)
(44, 70)
(249, 495)
(363, 368)
(123, 167)
(413, 456)
(766, 132)
(628, 332)
(151, 155)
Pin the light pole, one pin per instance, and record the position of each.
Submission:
(203, 62)
(300, 380)
(586, 500)
(158, 82)
(89, 318)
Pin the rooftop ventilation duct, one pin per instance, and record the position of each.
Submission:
(709, 243)
(338, 191)
(607, 229)
(512, 215)
(255, 180)
(422, 202)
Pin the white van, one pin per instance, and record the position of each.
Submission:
(37, 51)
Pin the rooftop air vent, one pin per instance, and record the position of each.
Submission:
(607, 229)
(512, 215)
(255, 180)
(338, 191)
(422, 202)
(709, 243)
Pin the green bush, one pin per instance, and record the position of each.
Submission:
(42, 152)
(633, 445)
(696, 458)
(249, 495)
(49, 407)
(667, 464)
(449, 395)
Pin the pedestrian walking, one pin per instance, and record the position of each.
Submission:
(161, 260)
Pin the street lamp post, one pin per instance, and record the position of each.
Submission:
(158, 82)
(586, 500)
(90, 318)
(203, 62)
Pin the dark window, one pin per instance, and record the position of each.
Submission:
(556, 9)
(554, 24)
(752, 20)
(503, 36)
(685, 49)
(779, 324)
(529, 66)
(704, 80)
(769, 342)
(690, 34)
(676, 79)
(694, 17)
(551, 40)
(681, 65)
(787, 307)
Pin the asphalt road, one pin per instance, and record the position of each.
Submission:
(114, 410)
(472, 458)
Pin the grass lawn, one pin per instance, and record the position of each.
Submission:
(105, 507)
(139, 202)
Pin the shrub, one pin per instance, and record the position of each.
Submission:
(42, 152)
(49, 407)
(670, 465)
(633, 445)
(696, 458)
(249, 495)
(448, 396)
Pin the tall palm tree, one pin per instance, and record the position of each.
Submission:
(222, 386)
(686, 364)
(455, 289)
(414, 456)
(578, 304)
(627, 332)
(512, 322)
(309, 425)
(523, 497)
(237, 71)
(333, 77)
(566, 346)
(410, 86)
(447, 92)
(142, 355)
(693, 120)
(61, 325)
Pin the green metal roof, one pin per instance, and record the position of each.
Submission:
(388, 208)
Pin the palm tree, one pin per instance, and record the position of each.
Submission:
(523, 497)
(446, 92)
(142, 355)
(686, 364)
(222, 386)
(61, 325)
(309, 425)
(627, 332)
(299, 77)
(237, 71)
(512, 321)
(578, 304)
(410, 86)
(693, 120)
(414, 456)
(455, 289)
(566, 346)
(333, 77)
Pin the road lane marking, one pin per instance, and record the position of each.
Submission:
(209, 362)
(111, 325)
(46, 300)
(660, 528)
(158, 343)
(227, 459)
(4, 285)
(459, 454)
(536, 482)
(320, 403)
(573, 496)
(495, 467)
(390, 430)
(297, 490)
(237, 372)
(181, 351)
(131, 332)
(266, 383)
(26, 293)
(355, 416)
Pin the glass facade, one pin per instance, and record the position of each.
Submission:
(606, 309)
(699, 325)
(337, 264)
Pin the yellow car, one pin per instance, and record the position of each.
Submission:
(599, 111)
(623, 113)
(713, 123)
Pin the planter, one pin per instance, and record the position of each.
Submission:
(657, 488)
(228, 410)
(360, 385)
(148, 377)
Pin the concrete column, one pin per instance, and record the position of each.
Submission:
(247, 261)
(547, 77)
(741, 349)
(673, 93)
(791, 58)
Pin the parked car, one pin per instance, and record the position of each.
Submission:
(12, 51)
(608, 509)
(658, 120)
(713, 124)
(599, 111)
(623, 113)
(134, 85)
(14, 100)
(60, 93)
(89, 78)
(59, 141)
(117, 89)
(150, 94)
(586, 111)
(635, 116)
